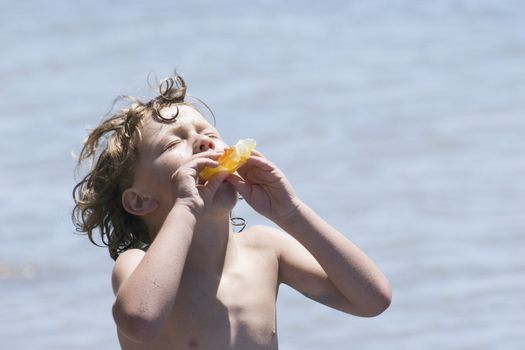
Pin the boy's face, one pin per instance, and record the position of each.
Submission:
(164, 147)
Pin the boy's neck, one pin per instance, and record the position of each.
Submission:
(211, 248)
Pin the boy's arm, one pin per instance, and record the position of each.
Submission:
(327, 267)
(146, 284)
(321, 262)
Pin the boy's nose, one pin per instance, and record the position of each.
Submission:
(203, 144)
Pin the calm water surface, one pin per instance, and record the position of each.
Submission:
(401, 122)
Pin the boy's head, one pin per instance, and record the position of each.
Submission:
(106, 198)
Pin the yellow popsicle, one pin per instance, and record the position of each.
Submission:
(232, 159)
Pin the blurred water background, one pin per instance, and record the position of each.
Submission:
(401, 122)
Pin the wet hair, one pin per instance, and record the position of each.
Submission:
(111, 150)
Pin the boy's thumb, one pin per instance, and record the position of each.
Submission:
(239, 184)
(215, 181)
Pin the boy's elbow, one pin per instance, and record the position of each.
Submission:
(135, 325)
(381, 302)
(378, 308)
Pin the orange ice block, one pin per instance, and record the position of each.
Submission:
(232, 159)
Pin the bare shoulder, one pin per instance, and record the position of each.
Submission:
(263, 237)
(258, 235)
(124, 266)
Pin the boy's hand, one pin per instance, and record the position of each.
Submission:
(187, 188)
(265, 188)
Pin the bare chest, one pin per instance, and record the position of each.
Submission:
(235, 312)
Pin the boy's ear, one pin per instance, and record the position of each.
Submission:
(138, 204)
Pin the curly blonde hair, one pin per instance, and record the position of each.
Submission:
(111, 150)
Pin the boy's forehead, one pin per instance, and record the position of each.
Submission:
(185, 115)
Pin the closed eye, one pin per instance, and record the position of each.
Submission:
(212, 135)
(171, 145)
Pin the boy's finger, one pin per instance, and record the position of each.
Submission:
(257, 164)
(260, 162)
(215, 181)
(201, 163)
(211, 153)
(240, 185)
(257, 153)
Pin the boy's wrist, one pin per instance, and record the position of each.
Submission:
(292, 216)
(184, 206)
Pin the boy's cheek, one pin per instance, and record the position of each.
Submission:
(159, 176)
(169, 165)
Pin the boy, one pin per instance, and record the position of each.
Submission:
(182, 279)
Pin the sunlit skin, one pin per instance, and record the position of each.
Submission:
(201, 286)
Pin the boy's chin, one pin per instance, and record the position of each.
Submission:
(226, 197)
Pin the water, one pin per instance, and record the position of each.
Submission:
(401, 122)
